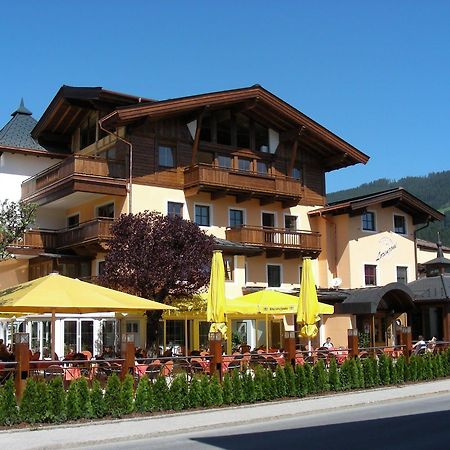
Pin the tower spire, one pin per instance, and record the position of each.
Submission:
(22, 109)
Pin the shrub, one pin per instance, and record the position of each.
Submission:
(269, 387)
(258, 383)
(84, 398)
(194, 395)
(236, 382)
(345, 375)
(97, 401)
(216, 391)
(333, 375)
(28, 409)
(320, 377)
(400, 369)
(205, 392)
(376, 372)
(301, 385)
(161, 394)
(391, 370)
(413, 366)
(368, 372)
(309, 377)
(42, 401)
(73, 402)
(9, 413)
(280, 382)
(360, 373)
(383, 367)
(112, 396)
(290, 380)
(127, 395)
(248, 387)
(178, 393)
(420, 361)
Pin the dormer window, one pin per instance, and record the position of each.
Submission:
(166, 156)
(368, 221)
(399, 224)
(261, 138)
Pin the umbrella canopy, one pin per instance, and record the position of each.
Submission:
(308, 304)
(267, 301)
(55, 293)
(60, 294)
(216, 294)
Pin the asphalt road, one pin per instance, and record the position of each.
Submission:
(406, 424)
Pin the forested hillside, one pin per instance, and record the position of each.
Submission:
(433, 189)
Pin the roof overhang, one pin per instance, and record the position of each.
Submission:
(395, 297)
(260, 104)
(398, 197)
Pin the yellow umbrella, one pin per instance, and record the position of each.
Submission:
(308, 305)
(216, 295)
(55, 293)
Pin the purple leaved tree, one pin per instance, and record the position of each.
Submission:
(157, 257)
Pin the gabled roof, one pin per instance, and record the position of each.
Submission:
(431, 288)
(16, 137)
(398, 197)
(259, 103)
(69, 106)
(421, 243)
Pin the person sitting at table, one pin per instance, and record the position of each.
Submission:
(419, 346)
(431, 345)
(5, 355)
(328, 344)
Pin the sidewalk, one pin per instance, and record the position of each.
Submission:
(72, 436)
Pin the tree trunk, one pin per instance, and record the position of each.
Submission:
(153, 338)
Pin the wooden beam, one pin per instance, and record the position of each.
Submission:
(244, 197)
(218, 194)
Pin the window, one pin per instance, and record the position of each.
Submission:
(88, 130)
(73, 221)
(223, 127)
(399, 224)
(290, 222)
(296, 173)
(132, 327)
(262, 167)
(106, 211)
(244, 164)
(243, 131)
(261, 138)
(368, 221)
(236, 218)
(370, 275)
(87, 336)
(273, 276)
(70, 336)
(166, 156)
(224, 162)
(202, 215)
(109, 333)
(205, 158)
(228, 262)
(205, 131)
(175, 209)
(402, 274)
(100, 268)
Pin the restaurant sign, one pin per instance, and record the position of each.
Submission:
(385, 247)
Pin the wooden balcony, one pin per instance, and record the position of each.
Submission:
(244, 185)
(77, 173)
(278, 241)
(87, 238)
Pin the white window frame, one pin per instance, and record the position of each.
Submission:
(377, 274)
(374, 222)
(244, 215)
(406, 266)
(393, 224)
(211, 214)
(281, 274)
(180, 203)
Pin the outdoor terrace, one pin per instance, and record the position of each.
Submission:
(278, 241)
(77, 173)
(244, 185)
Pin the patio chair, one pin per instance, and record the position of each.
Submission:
(53, 371)
(182, 366)
(153, 370)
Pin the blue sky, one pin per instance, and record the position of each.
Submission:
(375, 73)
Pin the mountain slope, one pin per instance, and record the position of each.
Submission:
(433, 189)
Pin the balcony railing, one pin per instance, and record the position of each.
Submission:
(280, 238)
(210, 178)
(81, 165)
(93, 231)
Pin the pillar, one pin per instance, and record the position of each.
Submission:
(22, 357)
(289, 346)
(406, 338)
(128, 355)
(352, 335)
(215, 351)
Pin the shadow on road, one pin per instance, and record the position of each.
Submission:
(429, 431)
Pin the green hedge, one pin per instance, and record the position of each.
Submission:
(49, 402)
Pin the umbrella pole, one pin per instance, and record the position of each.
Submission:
(52, 337)
(267, 333)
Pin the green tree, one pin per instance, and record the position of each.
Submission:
(161, 393)
(127, 394)
(29, 409)
(290, 380)
(227, 389)
(301, 381)
(178, 392)
(309, 375)
(84, 398)
(205, 392)
(368, 371)
(333, 375)
(195, 395)
(258, 383)
(15, 219)
(73, 402)
(216, 392)
(238, 393)
(42, 406)
(112, 396)
(384, 369)
(280, 381)
(321, 380)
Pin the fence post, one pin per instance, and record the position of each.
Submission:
(406, 342)
(215, 349)
(22, 356)
(352, 335)
(128, 354)
(289, 346)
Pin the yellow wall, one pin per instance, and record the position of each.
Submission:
(87, 211)
(12, 272)
(425, 255)
(336, 327)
